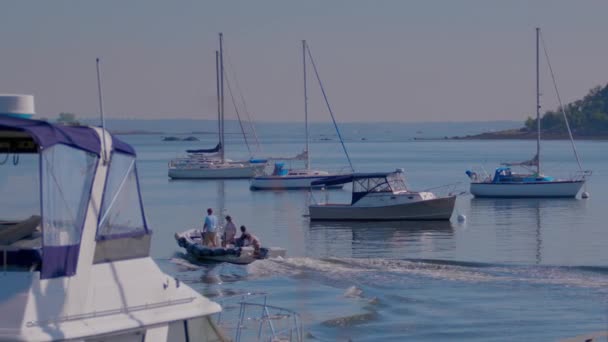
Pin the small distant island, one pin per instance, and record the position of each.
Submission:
(588, 119)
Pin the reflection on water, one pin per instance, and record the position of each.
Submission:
(387, 239)
(521, 225)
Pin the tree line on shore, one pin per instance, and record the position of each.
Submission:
(587, 116)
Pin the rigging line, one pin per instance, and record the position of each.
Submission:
(240, 92)
(102, 221)
(561, 106)
(312, 61)
(236, 110)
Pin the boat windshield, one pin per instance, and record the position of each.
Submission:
(396, 182)
(377, 184)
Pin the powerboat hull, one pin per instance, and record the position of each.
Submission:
(190, 240)
(288, 183)
(228, 172)
(529, 190)
(433, 209)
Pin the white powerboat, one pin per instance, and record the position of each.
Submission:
(283, 179)
(192, 241)
(382, 196)
(212, 163)
(80, 269)
(530, 183)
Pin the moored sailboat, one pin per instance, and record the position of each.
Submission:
(285, 179)
(212, 163)
(532, 183)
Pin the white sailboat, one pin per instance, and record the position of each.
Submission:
(284, 179)
(533, 183)
(212, 163)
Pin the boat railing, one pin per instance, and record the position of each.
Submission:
(452, 189)
(344, 170)
(480, 174)
(315, 201)
(581, 175)
(251, 318)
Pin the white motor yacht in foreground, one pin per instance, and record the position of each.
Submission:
(80, 268)
(382, 196)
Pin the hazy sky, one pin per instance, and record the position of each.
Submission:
(396, 60)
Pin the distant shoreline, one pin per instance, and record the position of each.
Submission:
(144, 132)
(523, 134)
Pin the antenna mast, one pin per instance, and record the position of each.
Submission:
(103, 121)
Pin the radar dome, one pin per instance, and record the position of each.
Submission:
(21, 106)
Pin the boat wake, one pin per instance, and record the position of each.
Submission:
(377, 271)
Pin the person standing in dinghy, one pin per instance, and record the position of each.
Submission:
(229, 232)
(210, 229)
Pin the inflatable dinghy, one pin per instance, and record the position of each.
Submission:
(191, 241)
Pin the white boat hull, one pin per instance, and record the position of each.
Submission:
(434, 209)
(514, 190)
(287, 182)
(240, 171)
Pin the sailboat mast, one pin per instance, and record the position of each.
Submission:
(305, 105)
(222, 128)
(537, 104)
(219, 107)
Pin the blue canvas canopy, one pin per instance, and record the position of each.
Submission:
(343, 179)
(46, 134)
(217, 148)
(68, 159)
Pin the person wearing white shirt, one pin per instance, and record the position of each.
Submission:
(229, 232)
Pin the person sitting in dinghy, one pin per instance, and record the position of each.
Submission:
(229, 232)
(248, 239)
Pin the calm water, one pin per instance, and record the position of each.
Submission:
(535, 269)
(516, 269)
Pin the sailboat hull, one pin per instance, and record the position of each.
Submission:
(514, 190)
(228, 172)
(288, 182)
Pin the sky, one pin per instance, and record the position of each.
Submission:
(389, 61)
